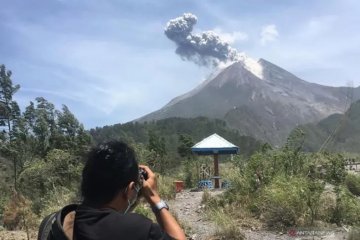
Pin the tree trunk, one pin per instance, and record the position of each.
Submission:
(15, 173)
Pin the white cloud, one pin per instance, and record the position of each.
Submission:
(232, 37)
(269, 33)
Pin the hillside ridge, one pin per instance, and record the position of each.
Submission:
(278, 100)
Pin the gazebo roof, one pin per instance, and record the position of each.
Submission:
(214, 144)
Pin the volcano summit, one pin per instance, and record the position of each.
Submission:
(259, 99)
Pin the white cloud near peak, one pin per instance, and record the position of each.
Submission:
(269, 33)
(232, 37)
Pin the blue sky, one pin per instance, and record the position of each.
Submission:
(110, 62)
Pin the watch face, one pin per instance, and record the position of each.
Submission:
(166, 206)
(162, 204)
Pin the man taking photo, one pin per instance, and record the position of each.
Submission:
(112, 182)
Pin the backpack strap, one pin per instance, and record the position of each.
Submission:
(45, 226)
(51, 227)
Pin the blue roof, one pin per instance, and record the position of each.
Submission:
(214, 144)
(211, 151)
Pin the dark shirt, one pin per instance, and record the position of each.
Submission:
(101, 224)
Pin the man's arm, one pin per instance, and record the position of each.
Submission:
(164, 217)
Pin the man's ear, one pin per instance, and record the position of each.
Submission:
(130, 190)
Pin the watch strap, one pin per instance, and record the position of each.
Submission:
(160, 205)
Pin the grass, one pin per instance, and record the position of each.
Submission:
(166, 187)
(352, 182)
(144, 209)
(354, 234)
(227, 227)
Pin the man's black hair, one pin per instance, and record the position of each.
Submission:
(110, 167)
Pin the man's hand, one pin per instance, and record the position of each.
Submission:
(149, 189)
(164, 217)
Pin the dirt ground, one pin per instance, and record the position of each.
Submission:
(189, 210)
(17, 235)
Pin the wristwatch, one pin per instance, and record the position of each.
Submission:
(160, 205)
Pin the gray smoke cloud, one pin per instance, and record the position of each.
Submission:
(204, 49)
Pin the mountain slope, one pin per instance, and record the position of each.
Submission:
(258, 99)
(346, 136)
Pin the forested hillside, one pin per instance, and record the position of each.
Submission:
(337, 133)
(169, 131)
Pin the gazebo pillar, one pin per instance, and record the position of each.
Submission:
(215, 145)
(216, 170)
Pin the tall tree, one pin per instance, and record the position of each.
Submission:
(54, 129)
(9, 116)
(9, 109)
(184, 150)
(45, 126)
(70, 133)
(157, 145)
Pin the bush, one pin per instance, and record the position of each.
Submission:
(335, 168)
(354, 234)
(166, 187)
(348, 208)
(189, 179)
(43, 177)
(242, 187)
(4, 198)
(18, 214)
(289, 202)
(352, 182)
(56, 199)
(143, 209)
(227, 228)
(327, 206)
(206, 197)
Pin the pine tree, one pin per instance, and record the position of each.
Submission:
(9, 116)
(9, 109)
(157, 145)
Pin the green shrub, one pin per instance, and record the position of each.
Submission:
(18, 214)
(242, 187)
(348, 207)
(352, 182)
(189, 178)
(227, 227)
(354, 234)
(335, 168)
(143, 209)
(4, 198)
(327, 206)
(289, 202)
(206, 196)
(56, 199)
(166, 187)
(42, 177)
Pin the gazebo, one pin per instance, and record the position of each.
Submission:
(215, 145)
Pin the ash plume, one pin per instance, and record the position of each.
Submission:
(205, 49)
